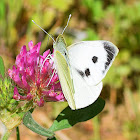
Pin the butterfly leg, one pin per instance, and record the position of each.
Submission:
(54, 72)
(51, 78)
(48, 57)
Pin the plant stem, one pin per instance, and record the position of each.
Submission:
(17, 133)
(6, 135)
(96, 128)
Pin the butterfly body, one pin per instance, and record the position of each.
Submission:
(81, 68)
(62, 64)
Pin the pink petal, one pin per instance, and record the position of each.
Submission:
(46, 53)
(24, 82)
(29, 97)
(41, 102)
(30, 44)
(52, 94)
(38, 47)
(10, 73)
(60, 97)
(57, 87)
(55, 78)
(17, 96)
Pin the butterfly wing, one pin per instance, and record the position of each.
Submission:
(63, 69)
(84, 93)
(92, 59)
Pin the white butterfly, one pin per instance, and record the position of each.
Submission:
(81, 68)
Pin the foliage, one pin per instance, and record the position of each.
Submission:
(2, 68)
(67, 118)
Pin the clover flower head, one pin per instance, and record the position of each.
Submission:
(35, 76)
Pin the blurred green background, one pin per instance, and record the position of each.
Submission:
(115, 20)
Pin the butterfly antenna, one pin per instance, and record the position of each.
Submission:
(67, 24)
(44, 31)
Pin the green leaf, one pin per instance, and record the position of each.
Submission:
(30, 123)
(2, 68)
(54, 138)
(67, 118)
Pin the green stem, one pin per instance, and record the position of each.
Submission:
(6, 135)
(96, 128)
(17, 133)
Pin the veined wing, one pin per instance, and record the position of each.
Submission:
(92, 59)
(84, 93)
(65, 78)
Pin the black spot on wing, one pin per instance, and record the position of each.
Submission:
(107, 64)
(81, 73)
(87, 72)
(94, 59)
(110, 53)
(109, 47)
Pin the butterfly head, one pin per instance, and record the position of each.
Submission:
(60, 45)
(60, 40)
